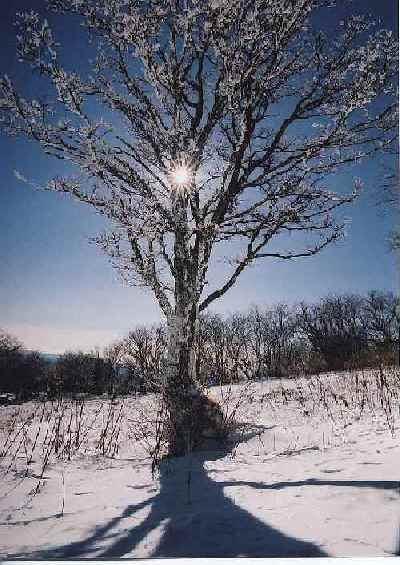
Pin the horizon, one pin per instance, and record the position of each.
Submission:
(224, 315)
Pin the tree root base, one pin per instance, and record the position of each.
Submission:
(205, 428)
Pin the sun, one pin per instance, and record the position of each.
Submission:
(181, 175)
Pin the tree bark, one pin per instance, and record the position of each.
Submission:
(182, 389)
(193, 418)
(190, 412)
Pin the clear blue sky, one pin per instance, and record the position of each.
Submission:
(59, 292)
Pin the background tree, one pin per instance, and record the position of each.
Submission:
(212, 358)
(30, 376)
(114, 357)
(335, 328)
(79, 373)
(10, 358)
(275, 330)
(144, 355)
(22, 373)
(228, 119)
(382, 321)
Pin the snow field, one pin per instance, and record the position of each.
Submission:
(314, 471)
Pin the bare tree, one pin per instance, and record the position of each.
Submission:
(144, 350)
(11, 354)
(114, 355)
(335, 328)
(9, 344)
(381, 318)
(273, 339)
(212, 355)
(229, 118)
(237, 335)
(23, 373)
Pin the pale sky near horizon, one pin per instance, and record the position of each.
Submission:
(58, 292)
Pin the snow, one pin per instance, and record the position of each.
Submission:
(326, 484)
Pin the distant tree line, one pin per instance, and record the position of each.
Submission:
(337, 333)
(26, 375)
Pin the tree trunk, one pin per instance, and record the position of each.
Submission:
(181, 387)
(189, 409)
(192, 417)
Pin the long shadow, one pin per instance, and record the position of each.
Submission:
(397, 551)
(384, 485)
(199, 519)
(203, 522)
(40, 519)
(84, 548)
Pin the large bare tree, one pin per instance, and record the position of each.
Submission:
(228, 118)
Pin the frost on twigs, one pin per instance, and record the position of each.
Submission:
(265, 108)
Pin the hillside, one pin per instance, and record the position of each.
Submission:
(314, 473)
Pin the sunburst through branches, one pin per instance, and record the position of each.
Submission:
(181, 176)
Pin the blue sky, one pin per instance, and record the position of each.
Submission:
(59, 292)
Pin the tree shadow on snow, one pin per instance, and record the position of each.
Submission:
(381, 485)
(198, 519)
(397, 552)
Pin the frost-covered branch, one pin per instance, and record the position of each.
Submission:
(259, 105)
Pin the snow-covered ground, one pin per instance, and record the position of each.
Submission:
(315, 472)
